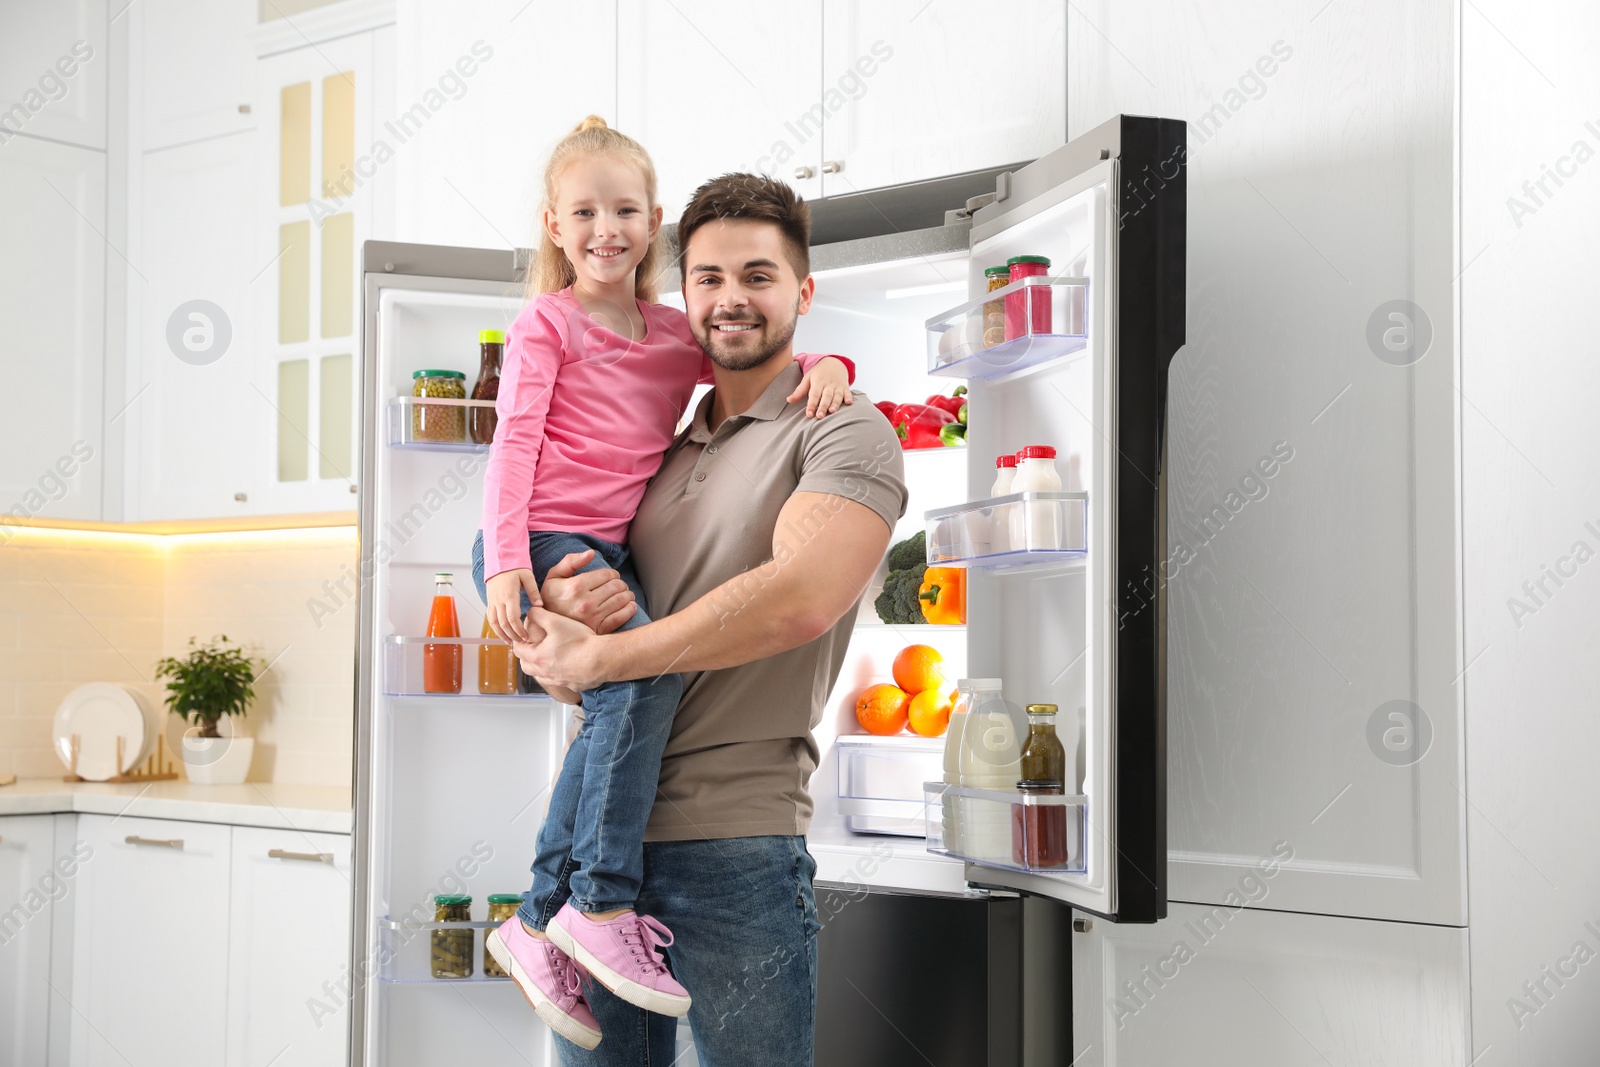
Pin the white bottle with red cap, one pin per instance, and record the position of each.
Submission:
(1005, 469)
(1036, 524)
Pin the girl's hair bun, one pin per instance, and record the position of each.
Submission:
(591, 122)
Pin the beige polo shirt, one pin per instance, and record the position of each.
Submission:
(741, 751)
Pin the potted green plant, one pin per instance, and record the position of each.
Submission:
(213, 681)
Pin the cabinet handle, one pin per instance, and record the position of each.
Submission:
(802, 173)
(241, 497)
(1082, 926)
(134, 839)
(244, 109)
(832, 166)
(314, 857)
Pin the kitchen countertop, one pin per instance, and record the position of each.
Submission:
(270, 805)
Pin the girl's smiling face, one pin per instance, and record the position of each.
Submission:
(603, 220)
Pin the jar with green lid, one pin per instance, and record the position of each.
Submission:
(502, 906)
(439, 422)
(994, 312)
(452, 949)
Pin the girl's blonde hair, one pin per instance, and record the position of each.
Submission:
(552, 271)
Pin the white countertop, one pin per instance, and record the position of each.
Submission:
(266, 804)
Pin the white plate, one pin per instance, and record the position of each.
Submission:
(99, 713)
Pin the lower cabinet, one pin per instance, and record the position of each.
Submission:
(1224, 986)
(289, 950)
(196, 943)
(29, 886)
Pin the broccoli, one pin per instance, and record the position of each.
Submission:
(912, 552)
(898, 603)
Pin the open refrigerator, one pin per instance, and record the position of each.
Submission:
(450, 789)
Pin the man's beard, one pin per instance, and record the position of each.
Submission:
(710, 339)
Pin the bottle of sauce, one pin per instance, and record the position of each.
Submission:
(497, 667)
(441, 664)
(1005, 473)
(1036, 524)
(950, 811)
(1028, 312)
(491, 344)
(990, 758)
(1039, 832)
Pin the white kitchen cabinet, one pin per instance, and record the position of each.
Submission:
(30, 883)
(711, 86)
(483, 90)
(1217, 987)
(917, 89)
(289, 952)
(195, 423)
(53, 63)
(52, 329)
(150, 953)
(196, 69)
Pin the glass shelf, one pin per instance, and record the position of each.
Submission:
(405, 955)
(404, 660)
(1010, 532)
(432, 424)
(1023, 325)
(1032, 833)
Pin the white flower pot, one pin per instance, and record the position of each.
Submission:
(217, 760)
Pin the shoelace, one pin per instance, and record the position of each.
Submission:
(644, 936)
(568, 971)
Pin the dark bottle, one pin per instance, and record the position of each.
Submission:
(1043, 757)
(491, 343)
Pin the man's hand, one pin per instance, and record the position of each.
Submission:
(563, 652)
(599, 599)
(504, 608)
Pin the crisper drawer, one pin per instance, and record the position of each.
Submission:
(880, 782)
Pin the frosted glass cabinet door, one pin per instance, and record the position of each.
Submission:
(26, 882)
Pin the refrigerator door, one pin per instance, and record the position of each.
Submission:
(1065, 591)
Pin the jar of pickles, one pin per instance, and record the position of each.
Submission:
(439, 422)
(452, 949)
(994, 312)
(502, 906)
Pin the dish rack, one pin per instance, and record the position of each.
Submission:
(158, 767)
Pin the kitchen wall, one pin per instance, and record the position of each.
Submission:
(91, 606)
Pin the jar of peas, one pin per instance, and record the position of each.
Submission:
(438, 422)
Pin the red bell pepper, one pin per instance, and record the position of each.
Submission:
(952, 404)
(918, 425)
(887, 407)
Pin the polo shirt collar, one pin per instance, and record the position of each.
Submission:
(768, 406)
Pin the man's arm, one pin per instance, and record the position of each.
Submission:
(825, 550)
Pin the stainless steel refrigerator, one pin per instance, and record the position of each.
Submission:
(451, 787)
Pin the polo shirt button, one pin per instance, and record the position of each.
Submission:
(712, 450)
(700, 477)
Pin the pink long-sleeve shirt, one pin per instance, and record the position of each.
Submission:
(584, 418)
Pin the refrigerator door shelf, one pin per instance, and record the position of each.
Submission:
(1007, 533)
(403, 659)
(405, 948)
(1009, 831)
(438, 424)
(1023, 325)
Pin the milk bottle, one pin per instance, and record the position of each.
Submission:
(990, 758)
(1036, 525)
(1005, 470)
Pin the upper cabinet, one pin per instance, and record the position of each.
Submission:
(197, 69)
(710, 86)
(918, 89)
(53, 63)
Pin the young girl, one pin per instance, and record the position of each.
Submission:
(595, 381)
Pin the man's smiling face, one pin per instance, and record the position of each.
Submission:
(741, 293)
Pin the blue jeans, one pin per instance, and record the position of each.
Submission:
(745, 925)
(590, 846)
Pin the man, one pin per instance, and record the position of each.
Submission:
(753, 544)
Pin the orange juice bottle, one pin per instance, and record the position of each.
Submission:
(441, 664)
(497, 667)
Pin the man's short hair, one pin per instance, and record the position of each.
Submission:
(755, 197)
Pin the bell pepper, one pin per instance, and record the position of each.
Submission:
(887, 407)
(918, 425)
(944, 595)
(952, 404)
(953, 434)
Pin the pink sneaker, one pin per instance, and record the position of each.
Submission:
(550, 979)
(623, 954)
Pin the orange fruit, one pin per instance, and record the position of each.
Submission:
(918, 667)
(881, 709)
(929, 714)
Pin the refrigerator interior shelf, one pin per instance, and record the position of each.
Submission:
(405, 659)
(1023, 325)
(427, 424)
(1034, 833)
(1022, 530)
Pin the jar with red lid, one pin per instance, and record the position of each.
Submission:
(1028, 311)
